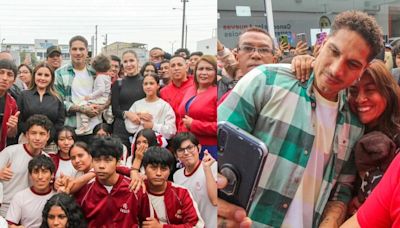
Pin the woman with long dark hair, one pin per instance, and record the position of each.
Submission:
(62, 211)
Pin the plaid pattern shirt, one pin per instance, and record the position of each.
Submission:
(63, 82)
(276, 108)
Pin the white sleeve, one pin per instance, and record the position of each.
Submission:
(5, 156)
(132, 127)
(166, 126)
(99, 86)
(14, 211)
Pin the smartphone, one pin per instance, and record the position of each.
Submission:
(301, 37)
(284, 39)
(241, 158)
(321, 37)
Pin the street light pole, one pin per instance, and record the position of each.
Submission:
(183, 22)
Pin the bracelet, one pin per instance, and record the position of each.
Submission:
(134, 169)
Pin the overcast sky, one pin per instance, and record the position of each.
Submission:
(153, 22)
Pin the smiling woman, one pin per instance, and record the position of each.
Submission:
(41, 98)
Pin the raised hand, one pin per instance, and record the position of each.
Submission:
(6, 173)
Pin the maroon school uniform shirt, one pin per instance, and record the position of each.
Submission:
(119, 208)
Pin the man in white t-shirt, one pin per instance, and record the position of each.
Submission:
(14, 159)
(199, 176)
(27, 205)
(74, 81)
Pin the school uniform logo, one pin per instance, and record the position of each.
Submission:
(124, 209)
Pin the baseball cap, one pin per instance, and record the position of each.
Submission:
(52, 49)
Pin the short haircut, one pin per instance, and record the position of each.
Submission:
(106, 146)
(164, 61)
(148, 64)
(156, 155)
(71, 209)
(177, 56)
(101, 63)
(41, 162)
(179, 50)
(363, 24)
(260, 30)
(8, 65)
(198, 53)
(102, 126)
(115, 58)
(209, 59)
(181, 137)
(39, 120)
(78, 38)
(155, 48)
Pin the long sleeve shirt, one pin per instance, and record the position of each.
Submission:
(275, 107)
(29, 103)
(124, 93)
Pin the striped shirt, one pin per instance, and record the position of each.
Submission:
(63, 82)
(275, 107)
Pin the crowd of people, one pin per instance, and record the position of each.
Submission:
(108, 141)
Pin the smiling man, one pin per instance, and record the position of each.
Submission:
(14, 159)
(8, 105)
(308, 128)
(27, 205)
(174, 92)
(74, 81)
(54, 57)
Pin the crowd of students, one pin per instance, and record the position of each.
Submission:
(109, 142)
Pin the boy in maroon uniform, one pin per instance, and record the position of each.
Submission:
(107, 201)
(170, 205)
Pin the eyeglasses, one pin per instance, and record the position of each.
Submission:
(188, 149)
(251, 50)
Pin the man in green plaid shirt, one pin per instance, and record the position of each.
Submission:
(308, 128)
(66, 81)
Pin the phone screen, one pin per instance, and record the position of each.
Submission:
(284, 39)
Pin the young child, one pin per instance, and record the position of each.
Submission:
(100, 95)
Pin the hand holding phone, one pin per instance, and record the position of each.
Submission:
(321, 36)
(283, 39)
(241, 158)
(301, 37)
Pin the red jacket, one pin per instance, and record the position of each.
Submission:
(180, 207)
(173, 95)
(119, 208)
(203, 110)
(10, 108)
